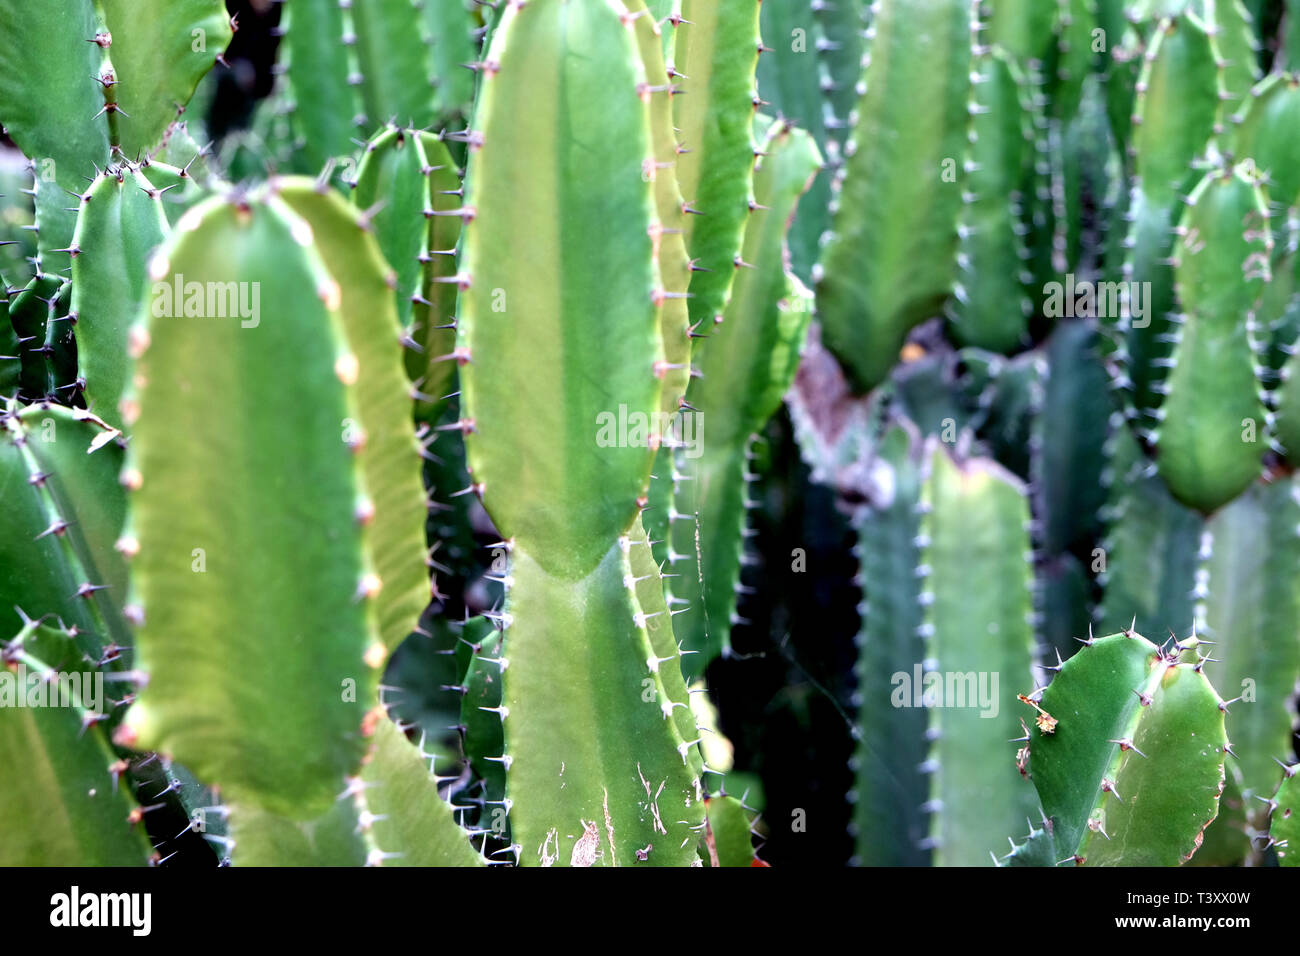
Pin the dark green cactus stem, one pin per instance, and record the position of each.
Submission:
(11, 366)
(1063, 601)
(323, 101)
(715, 53)
(926, 391)
(69, 805)
(1091, 174)
(889, 263)
(309, 557)
(1069, 439)
(480, 715)
(55, 220)
(890, 787)
(1278, 319)
(790, 81)
(561, 482)
(393, 62)
(63, 513)
(1292, 39)
(809, 76)
(1251, 611)
(1173, 119)
(425, 680)
(1008, 406)
(449, 35)
(1072, 60)
(394, 192)
(201, 804)
(989, 307)
(51, 116)
(120, 224)
(745, 366)
(977, 611)
(1027, 32)
(731, 833)
(350, 68)
(1213, 425)
(1119, 66)
(1068, 462)
(1024, 28)
(432, 365)
(840, 35)
(34, 316)
(1284, 826)
(1126, 751)
(1148, 559)
(56, 34)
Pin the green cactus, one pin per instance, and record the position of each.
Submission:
(1227, 841)
(974, 522)
(1178, 67)
(1126, 753)
(160, 49)
(64, 510)
(394, 190)
(126, 71)
(393, 460)
(76, 811)
(1283, 815)
(480, 715)
(891, 750)
(391, 60)
(731, 834)
(990, 309)
(751, 356)
(715, 49)
(1213, 417)
(1148, 558)
(809, 74)
(1250, 559)
(362, 475)
(321, 98)
(570, 513)
(1070, 438)
(121, 214)
(890, 261)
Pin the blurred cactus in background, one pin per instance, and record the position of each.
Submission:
(561, 432)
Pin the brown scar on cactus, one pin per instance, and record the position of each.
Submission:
(1045, 721)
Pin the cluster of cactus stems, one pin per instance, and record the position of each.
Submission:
(539, 273)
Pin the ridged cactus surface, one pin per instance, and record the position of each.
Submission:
(449, 433)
